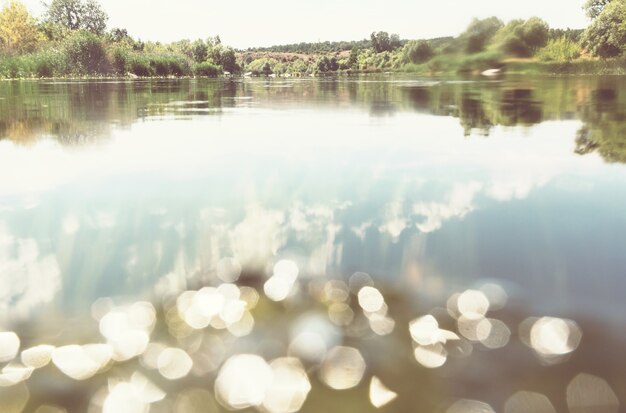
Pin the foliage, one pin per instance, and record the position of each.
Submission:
(206, 69)
(18, 29)
(593, 8)
(85, 54)
(570, 34)
(120, 60)
(45, 63)
(382, 42)
(324, 64)
(606, 36)
(522, 38)
(199, 51)
(313, 48)
(263, 65)
(479, 32)
(78, 15)
(559, 50)
(418, 51)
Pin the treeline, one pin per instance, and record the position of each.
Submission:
(314, 48)
(72, 39)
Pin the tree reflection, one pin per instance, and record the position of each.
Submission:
(82, 112)
(604, 129)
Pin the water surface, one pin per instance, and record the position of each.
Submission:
(137, 190)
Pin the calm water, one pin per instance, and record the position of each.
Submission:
(118, 192)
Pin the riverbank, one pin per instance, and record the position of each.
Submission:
(451, 67)
(55, 65)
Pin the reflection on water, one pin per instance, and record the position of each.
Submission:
(373, 243)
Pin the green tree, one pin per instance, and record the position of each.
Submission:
(522, 37)
(18, 29)
(353, 59)
(560, 49)
(199, 51)
(418, 51)
(593, 8)
(606, 36)
(228, 60)
(479, 32)
(382, 42)
(86, 53)
(78, 15)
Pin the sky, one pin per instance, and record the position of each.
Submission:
(249, 23)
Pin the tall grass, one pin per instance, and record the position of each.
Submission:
(559, 50)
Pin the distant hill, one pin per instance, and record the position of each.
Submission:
(330, 47)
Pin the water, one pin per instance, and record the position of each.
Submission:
(138, 190)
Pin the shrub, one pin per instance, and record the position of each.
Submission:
(85, 54)
(418, 51)
(522, 37)
(120, 59)
(559, 50)
(207, 69)
(479, 62)
(606, 36)
(139, 65)
(166, 64)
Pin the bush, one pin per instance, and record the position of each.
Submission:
(49, 63)
(522, 38)
(479, 32)
(606, 36)
(139, 65)
(41, 64)
(169, 65)
(120, 59)
(85, 54)
(559, 50)
(418, 51)
(479, 62)
(207, 69)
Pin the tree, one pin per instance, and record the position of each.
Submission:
(418, 51)
(479, 32)
(606, 36)
(382, 42)
(354, 58)
(522, 37)
(86, 53)
(118, 35)
(228, 60)
(18, 29)
(593, 8)
(199, 51)
(78, 15)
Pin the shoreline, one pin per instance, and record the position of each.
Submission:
(613, 67)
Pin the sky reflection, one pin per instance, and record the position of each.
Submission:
(288, 249)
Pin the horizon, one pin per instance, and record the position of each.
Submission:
(416, 21)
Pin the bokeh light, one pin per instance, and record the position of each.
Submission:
(343, 368)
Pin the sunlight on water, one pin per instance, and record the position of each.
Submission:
(289, 386)
(528, 402)
(342, 368)
(9, 345)
(198, 246)
(587, 393)
(38, 356)
(174, 363)
(470, 406)
(551, 338)
(243, 381)
(380, 395)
